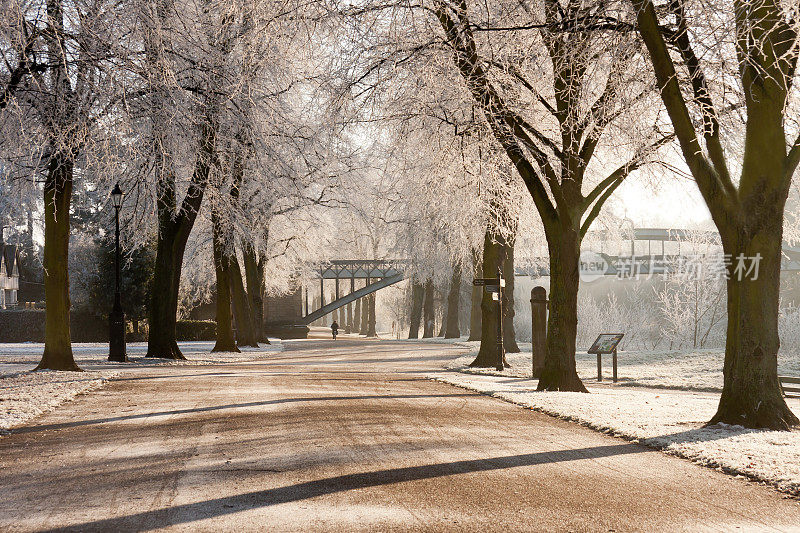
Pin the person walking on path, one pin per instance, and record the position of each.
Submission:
(334, 329)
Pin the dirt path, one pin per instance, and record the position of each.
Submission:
(346, 437)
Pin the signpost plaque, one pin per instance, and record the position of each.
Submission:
(606, 343)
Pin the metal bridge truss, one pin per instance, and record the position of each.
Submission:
(361, 269)
(378, 273)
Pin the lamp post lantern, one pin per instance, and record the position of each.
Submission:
(116, 346)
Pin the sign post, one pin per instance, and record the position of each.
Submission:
(499, 295)
(495, 286)
(604, 344)
(538, 329)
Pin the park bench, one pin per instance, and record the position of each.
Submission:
(790, 386)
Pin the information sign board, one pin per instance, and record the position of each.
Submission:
(606, 343)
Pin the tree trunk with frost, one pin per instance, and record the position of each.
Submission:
(174, 227)
(225, 339)
(255, 290)
(242, 313)
(428, 322)
(61, 115)
(509, 332)
(57, 196)
(417, 298)
(559, 372)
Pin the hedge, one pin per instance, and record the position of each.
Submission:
(196, 330)
(22, 326)
(27, 325)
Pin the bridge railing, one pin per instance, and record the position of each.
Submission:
(361, 268)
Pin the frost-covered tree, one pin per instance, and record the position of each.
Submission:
(592, 81)
(691, 297)
(562, 92)
(209, 79)
(58, 105)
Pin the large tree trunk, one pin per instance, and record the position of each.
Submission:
(225, 339)
(753, 232)
(751, 394)
(417, 297)
(242, 314)
(164, 297)
(559, 373)
(509, 333)
(255, 290)
(57, 195)
(428, 319)
(173, 233)
(451, 330)
(475, 315)
(492, 260)
(749, 216)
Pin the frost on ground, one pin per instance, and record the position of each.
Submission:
(693, 370)
(96, 354)
(25, 394)
(669, 417)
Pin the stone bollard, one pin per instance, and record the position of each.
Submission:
(538, 328)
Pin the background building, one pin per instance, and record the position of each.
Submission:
(9, 275)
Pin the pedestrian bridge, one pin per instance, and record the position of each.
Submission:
(378, 273)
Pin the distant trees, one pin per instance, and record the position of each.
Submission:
(556, 87)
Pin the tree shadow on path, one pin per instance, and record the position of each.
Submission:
(190, 512)
(78, 423)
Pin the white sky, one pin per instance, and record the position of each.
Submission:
(676, 203)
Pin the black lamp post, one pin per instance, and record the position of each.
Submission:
(116, 347)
